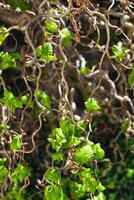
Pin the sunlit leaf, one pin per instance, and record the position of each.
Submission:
(57, 156)
(7, 60)
(2, 160)
(19, 173)
(22, 4)
(130, 173)
(84, 154)
(100, 196)
(16, 143)
(92, 105)
(99, 152)
(51, 26)
(11, 101)
(58, 139)
(119, 52)
(54, 192)
(131, 76)
(3, 34)
(77, 189)
(3, 172)
(44, 98)
(45, 52)
(67, 36)
(53, 175)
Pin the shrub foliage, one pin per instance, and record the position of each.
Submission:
(66, 100)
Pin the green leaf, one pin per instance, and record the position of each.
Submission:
(16, 143)
(100, 196)
(3, 35)
(3, 172)
(67, 36)
(25, 99)
(44, 99)
(84, 154)
(119, 52)
(130, 173)
(85, 70)
(53, 175)
(54, 192)
(4, 126)
(67, 127)
(17, 56)
(99, 152)
(77, 190)
(2, 161)
(126, 125)
(92, 105)
(20, 173)
(92, 184)
(100, 187)
(19, 4)
(8, 60)
(81, 127)
(88, 179)
(84, 174)
(58, 139)
(51, 26)
(131, 76)
(74, 141)
(57, 156)
(11, 101)
(45, 52)
(15, 194)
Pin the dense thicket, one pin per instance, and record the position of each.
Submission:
(66, 99)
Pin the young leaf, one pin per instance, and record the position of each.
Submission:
(86, 175)
(131, 76)
(53, 175)
(81, 127)
(3, 35)
(3, 172)
(45, 52)
(16, 143)
(74, 141)
(20, 173)
(67, 36)
(85, 70)
(25, 100)
(51, 26)
(100, 196)
(67, 127)
(4, 126)
(130, 173)
(8, 60)
(99, 152)
(54, 192)
(57, 156)
(77, 190)
(100, 187)
(84, 154)
(58, 139)
(11, 101)
(2, 161)
(126, 125)
(44, 99)
(119, 52)
(15, 194)
(23, 5)
(92, 105)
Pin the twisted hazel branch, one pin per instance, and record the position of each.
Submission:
(125, 100)
(35, 133)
